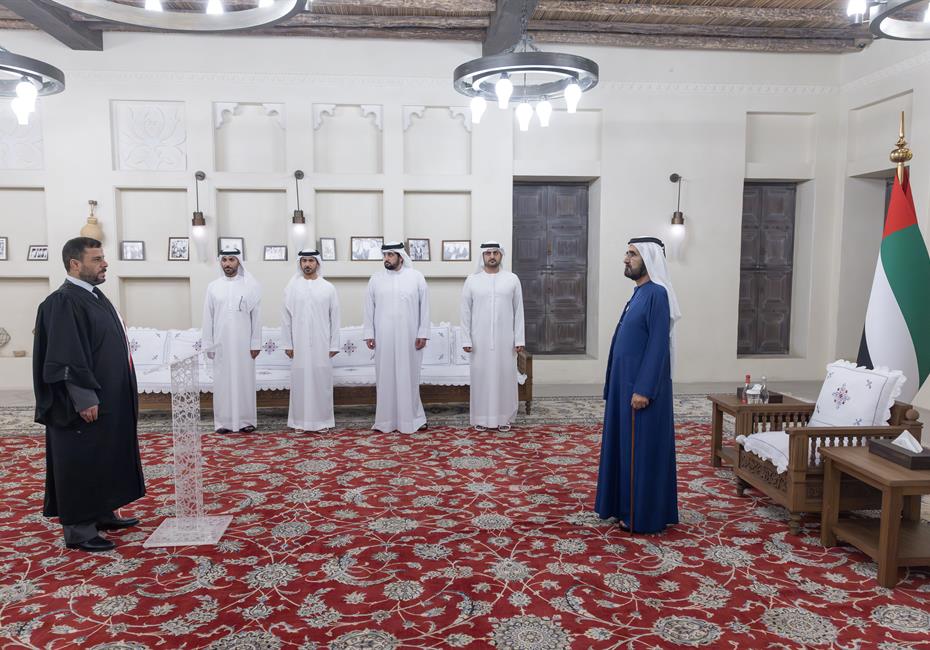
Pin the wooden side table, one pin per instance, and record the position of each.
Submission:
(891, 541)
(744, 414)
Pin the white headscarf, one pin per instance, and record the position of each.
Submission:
(488, 246)
(299, 276)
(653, 253)
(392, 247)
(253, 289)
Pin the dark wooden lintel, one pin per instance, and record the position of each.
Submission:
(798, 45)
(57, 23)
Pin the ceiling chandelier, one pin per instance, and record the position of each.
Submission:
(526, 76)
(24, 79)
(214, 18)
(889, 19)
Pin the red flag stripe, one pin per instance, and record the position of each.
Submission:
(901, 211)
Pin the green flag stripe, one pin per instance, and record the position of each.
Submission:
(907, 267)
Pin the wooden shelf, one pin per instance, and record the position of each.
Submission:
(913, 539)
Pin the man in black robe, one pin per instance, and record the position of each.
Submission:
(86, 396)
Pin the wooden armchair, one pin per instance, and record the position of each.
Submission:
(800, 488)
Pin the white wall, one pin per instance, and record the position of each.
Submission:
(653, 113)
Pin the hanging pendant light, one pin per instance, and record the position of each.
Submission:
(677, 229)
(198, 223)
(478, 106)
(154, 14)
(215, 8)
(524, 114)
(30, 79)
(153, 5)
(503, 89)
(298, 221)
(544, 112)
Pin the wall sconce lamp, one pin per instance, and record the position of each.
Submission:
(92, 228)
(298, 221)
(198, 223)
(677, 229)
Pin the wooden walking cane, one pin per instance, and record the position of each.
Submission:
(632, 462)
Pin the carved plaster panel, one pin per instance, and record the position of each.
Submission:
(20, 146)
(149, 136)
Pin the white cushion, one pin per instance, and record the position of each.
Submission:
(438, 350)
(856, 396)
(769, 445)
(459, 356)
(147, 346)
(272, 353)
(183, 344)
(353, 350)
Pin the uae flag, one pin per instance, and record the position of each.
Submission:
(897, 323)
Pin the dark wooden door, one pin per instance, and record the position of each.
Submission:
(550, 256)
(766, 268)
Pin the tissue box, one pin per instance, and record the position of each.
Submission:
(904, 457)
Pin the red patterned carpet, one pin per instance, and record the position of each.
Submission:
(448, 538)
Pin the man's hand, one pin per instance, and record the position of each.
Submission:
(639, 402)
(467, 348)
(420, 344)
(254, 353)
(333, 353)
(370, 343)
(90, 414)
(289, 353)
(519, 349)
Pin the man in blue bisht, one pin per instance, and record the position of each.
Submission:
(637, 482)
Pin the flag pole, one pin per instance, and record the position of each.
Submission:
(901, 154)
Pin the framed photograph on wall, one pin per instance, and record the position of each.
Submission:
(179, 249)
(37, 253)
(418, 249)
(276, 253)
(456, 250)
(3, 254)
(231, 243)
(133, 251)
(366, 248)
(328, 249)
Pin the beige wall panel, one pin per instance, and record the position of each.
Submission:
(162, 303)
(250, 140)
(25, 294)
(152, 216)
(437, 142)
(346, 142)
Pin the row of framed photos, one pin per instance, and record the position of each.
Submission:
(361, 249)
(37, 252)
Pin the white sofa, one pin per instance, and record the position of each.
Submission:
(445, 364)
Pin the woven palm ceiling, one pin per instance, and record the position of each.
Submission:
(749, 25)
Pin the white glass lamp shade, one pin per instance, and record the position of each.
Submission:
(572, 96)
(153, 5)
(676, 239)
(503, 89)
(215, 7)
(478, 106)
(524, 115)
(856, 8)
(21, 110)
(544, 112)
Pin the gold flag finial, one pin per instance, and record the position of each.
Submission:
(901, 154)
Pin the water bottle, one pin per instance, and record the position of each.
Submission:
(764, 392)
(746, 388)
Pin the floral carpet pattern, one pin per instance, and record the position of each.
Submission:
(448, 538)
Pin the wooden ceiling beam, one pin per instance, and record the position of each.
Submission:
(674, 29)
(386, 22)
(57, 23)
(609, 10)
(425, 7)
(687, 42)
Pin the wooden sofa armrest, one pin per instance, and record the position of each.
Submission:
(803, 441)
(778, 417)
(525, 364)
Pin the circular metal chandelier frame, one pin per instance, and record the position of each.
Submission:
(185, 21)
(49, 79)
(477, 77)
(885, 25)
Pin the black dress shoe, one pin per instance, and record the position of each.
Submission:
(424, 426)
(117, 524)
(224, 430)
(94, 545)
(248, 429)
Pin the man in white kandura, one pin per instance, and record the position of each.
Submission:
(492, 322)
(231, 320)
(310, 336)
(397, 328)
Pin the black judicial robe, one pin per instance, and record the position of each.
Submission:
(91, 468)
